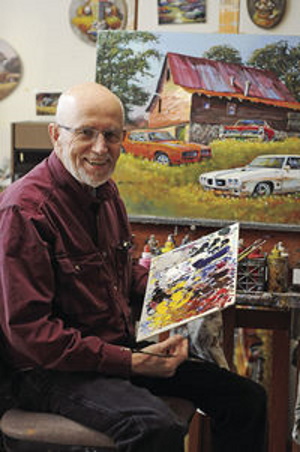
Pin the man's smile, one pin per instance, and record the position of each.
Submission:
(97, 162)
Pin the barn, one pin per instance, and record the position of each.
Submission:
(200, 95)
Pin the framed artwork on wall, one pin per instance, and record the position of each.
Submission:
(46, 103)
(10, 69)
(88, 17)
(213, 125)
(181, 12)
(266, 13)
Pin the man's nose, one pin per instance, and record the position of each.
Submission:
(100, 144)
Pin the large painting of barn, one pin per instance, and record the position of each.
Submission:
(212, 125)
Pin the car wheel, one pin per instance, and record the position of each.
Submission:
(162, 158)
(263, 189)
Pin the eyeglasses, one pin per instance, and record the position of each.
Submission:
(90, 135)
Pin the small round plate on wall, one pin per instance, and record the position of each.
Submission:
(266, 13)
(88, 17)
(10, 69)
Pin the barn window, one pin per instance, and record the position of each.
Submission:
(206, 104)
(231, 109)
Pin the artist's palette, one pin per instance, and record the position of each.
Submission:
(190, 281)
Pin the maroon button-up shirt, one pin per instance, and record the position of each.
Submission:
(66, 274)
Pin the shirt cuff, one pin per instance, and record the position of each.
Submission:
(116, 360)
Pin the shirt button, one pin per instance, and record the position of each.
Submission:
(115, 288)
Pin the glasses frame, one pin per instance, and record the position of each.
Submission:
(92, 134)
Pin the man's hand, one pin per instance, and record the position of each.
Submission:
(174, 351)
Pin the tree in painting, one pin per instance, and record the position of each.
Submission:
(121, 68)
(282, 59)
(225, 53)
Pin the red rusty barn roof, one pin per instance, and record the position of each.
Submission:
(215, 78)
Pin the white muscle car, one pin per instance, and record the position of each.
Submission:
(265, 175)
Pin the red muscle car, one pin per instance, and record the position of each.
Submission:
(162, 147)
(250, 129)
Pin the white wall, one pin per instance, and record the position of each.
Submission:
(54, 58)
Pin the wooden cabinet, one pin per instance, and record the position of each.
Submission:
(30, 145)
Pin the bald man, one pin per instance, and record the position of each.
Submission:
(67, 286)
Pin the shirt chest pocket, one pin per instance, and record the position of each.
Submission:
(84, 277)
(80, 265)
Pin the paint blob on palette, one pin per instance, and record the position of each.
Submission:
(190, 281)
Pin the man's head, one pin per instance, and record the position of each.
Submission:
(88, 132)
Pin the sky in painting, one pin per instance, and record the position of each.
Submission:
(195, 43)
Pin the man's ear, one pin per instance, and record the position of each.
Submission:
(53, 130)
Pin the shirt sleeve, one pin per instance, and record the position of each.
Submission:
(34, 336)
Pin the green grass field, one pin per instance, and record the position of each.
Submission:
(149, 188)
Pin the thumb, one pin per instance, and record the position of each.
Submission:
(172, 343)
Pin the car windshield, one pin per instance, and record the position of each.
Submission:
(267, 162)
(249, 122)
(161, 136)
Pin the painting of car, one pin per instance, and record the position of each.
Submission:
(251, 129)
(264, 176)
(162, 147)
